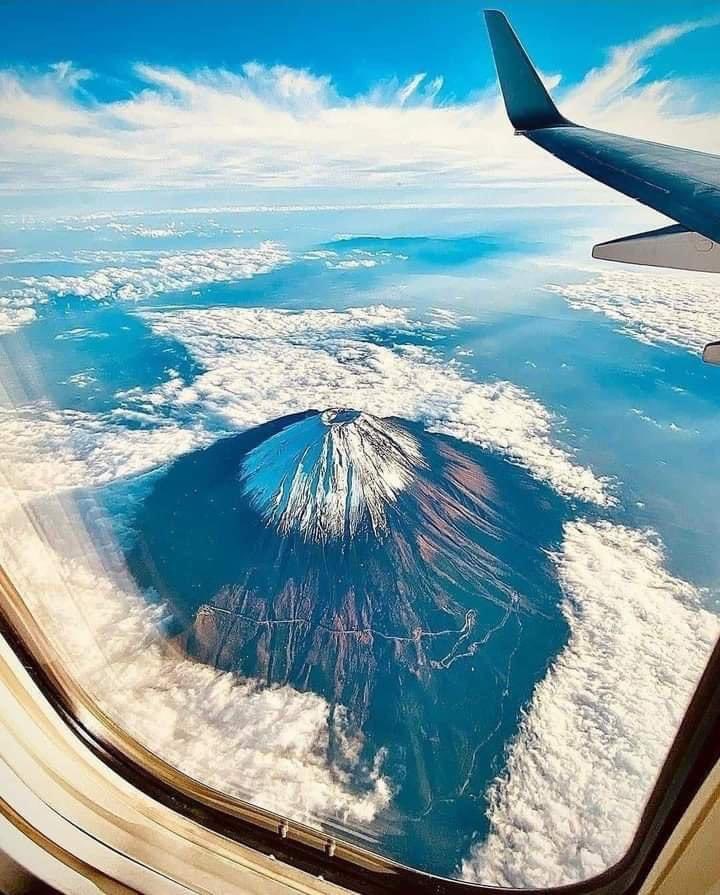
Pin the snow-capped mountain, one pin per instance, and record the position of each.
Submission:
(331, 474)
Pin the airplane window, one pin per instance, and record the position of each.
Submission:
(333, 468)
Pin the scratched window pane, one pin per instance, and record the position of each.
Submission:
(332, 466)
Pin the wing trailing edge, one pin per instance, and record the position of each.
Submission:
(673, 247)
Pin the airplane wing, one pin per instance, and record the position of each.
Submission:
(680, 183)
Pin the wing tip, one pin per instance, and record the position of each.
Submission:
(527, 102)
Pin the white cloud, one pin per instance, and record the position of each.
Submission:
(154, 274)
(356, 259)
(269, 745)
(601, 722)
(618, 96)
(142, 230)
(53, 450)
(15, 313)
(261, 364)
(681, 309)
(170, 272)
(282, 128)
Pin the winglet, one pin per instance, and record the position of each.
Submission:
(528, 103)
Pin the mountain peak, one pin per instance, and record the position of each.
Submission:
(331, 475)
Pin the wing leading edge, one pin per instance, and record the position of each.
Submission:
(680, 183)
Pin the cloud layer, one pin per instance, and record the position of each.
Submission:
(601, 722)
(156, 273)
(653, 307)
(51, 450)
(269, 745)
(262, 364)
(281, 128)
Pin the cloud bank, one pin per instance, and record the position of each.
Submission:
(674, 309)
(51, 450)
(262, 364)
(601, 722)
(278, 128)
(154, 274)
(269, 745)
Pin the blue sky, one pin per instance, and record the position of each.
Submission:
(358, 43)
(323, 101)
